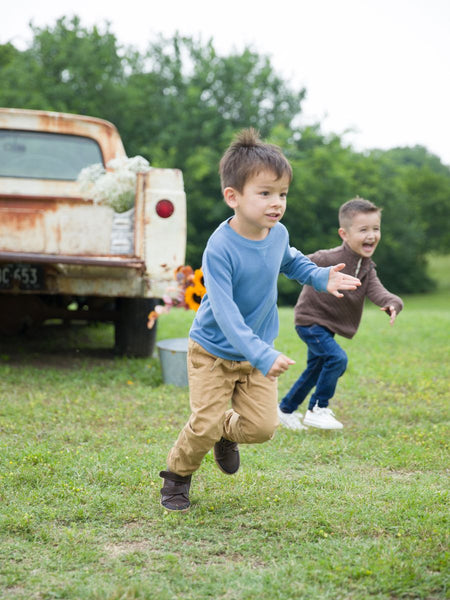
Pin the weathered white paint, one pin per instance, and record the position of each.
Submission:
(49, 217)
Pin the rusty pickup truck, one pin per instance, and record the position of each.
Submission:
(57, 256)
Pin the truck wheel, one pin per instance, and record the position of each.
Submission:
(132, 337)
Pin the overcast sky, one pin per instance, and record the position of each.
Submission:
(378, 67)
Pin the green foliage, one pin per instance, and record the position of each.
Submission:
(7, 54)
(68, 68)
(400, 256)
(179, 104)
(427, 184)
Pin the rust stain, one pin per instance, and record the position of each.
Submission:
(8, 199)
(22, 205)
(55, 259)
(102, 131)
(20, 220)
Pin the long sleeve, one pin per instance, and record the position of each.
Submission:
(379, 295)
(297, 266)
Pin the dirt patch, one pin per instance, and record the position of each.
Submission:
(121, 548)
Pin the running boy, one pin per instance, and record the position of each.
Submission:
(230, 353)
(318, 317)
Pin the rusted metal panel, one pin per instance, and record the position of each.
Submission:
(54, 227)
(170, 233)
(132, 288)
(85, 279)
(98, 261)
(47, 222)
(38, 120)
(139, 216)
(24, 188)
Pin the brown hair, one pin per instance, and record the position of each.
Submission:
(356, 205)
(246, 156)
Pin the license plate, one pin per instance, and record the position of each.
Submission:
(23, 276)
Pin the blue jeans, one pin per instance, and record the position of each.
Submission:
(325, 364)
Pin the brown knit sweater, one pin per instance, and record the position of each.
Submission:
(343, 315)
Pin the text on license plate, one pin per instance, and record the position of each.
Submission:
(23, 276)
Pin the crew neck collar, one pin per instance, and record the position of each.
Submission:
(248, 241)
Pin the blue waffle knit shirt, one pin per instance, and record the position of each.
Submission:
(238, 316)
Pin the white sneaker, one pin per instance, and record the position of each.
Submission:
(323, 418)
(291, 420)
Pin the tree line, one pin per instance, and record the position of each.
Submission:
(179, 103)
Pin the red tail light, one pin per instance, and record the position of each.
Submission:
(164, 208)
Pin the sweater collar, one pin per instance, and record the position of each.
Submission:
(352, 259)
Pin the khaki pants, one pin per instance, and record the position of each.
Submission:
(213, 383)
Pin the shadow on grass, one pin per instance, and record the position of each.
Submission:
(60, 345)
(80, 350)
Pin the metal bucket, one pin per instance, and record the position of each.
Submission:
(172, 356)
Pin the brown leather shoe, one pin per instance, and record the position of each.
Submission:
(226, 455)
(175, 491)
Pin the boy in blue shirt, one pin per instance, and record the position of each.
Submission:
(230, 353)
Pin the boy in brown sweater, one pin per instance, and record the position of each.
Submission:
(318, 317)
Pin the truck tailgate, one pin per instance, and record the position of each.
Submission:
(48, 225)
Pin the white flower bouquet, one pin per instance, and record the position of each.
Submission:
(116, 186)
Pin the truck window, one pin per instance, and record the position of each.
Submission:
(40, 155)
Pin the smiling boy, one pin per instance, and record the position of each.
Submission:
(319, 317)
(231, 358)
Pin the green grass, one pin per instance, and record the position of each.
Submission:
(356, 514)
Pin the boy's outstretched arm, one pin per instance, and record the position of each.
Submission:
(281, 364)
(391, 312)
(340, 281)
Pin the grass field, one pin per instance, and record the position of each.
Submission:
(356, 514)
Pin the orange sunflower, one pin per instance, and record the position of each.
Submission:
(195, 292)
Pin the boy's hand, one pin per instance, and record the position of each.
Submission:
(340, 281)
(281, 364)
(391, 312)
